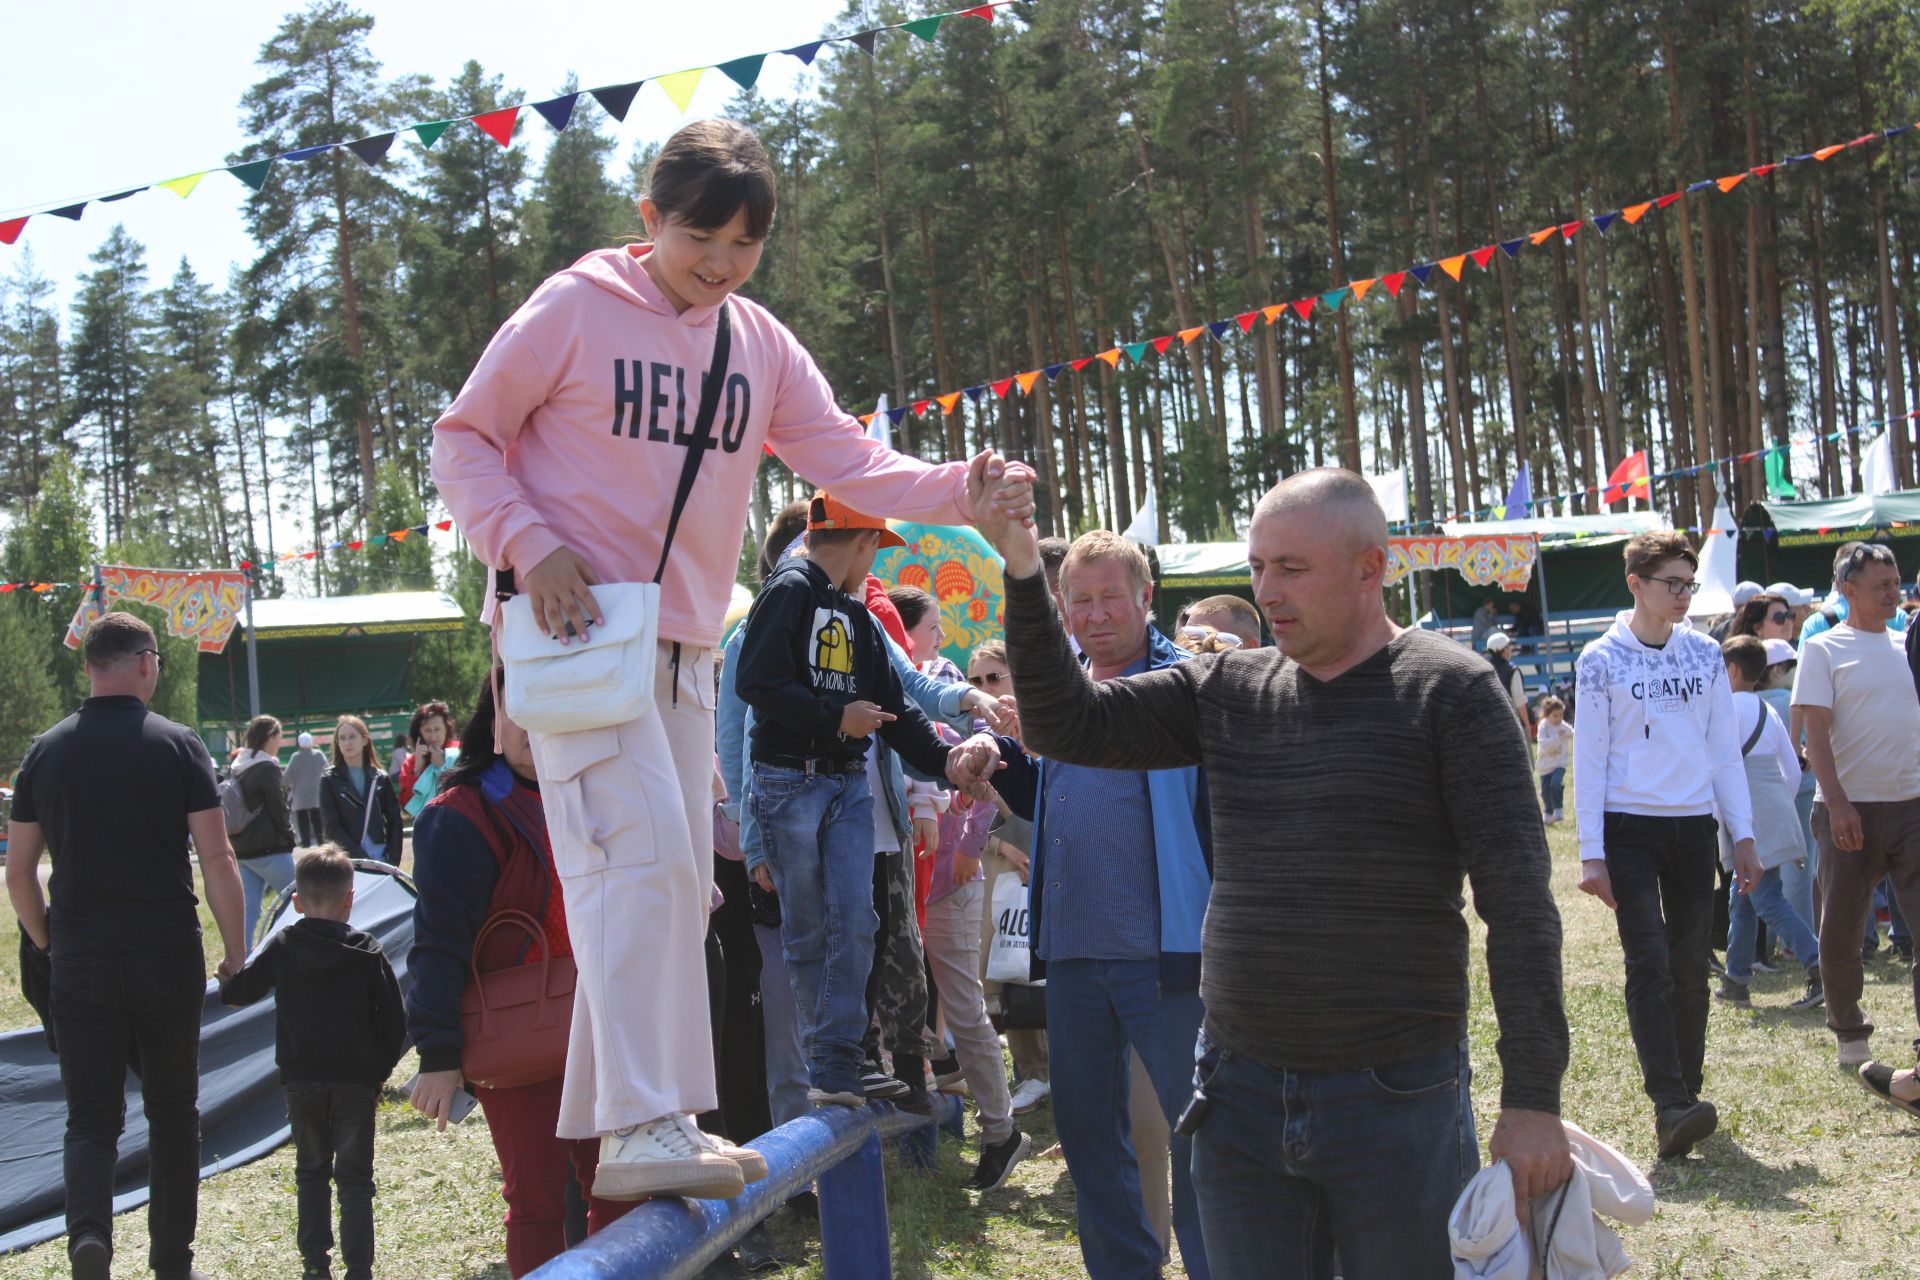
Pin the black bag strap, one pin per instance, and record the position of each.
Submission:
(1759, 726)
(710, 389)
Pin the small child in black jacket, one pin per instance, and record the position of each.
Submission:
(339, 1027)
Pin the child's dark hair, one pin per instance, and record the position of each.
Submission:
(709, 171)
(1748, 656)
(1551, 704)
(476, 739)
(323, 875)
(781, 531)
(912, 604)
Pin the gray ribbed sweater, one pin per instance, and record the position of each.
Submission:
(1346, 816)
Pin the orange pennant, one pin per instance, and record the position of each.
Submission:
(864, 419)
(1274, 312)
(949, 402)
(1026, 381)
(1824, 152)
(1729, 182)
(1360, 288)
(1111, 357)
(1188, 335)
(1634, 212)
(1543, 235)
(1452, 265)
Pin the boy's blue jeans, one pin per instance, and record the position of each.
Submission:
(1768, 902)
(1553, 790)
(817, 832)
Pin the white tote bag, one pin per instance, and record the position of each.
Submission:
(603, 680)
(1008, 961)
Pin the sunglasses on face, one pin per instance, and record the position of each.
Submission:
(1778, 619)
(991, 677)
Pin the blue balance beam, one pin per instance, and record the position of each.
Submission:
(837, 1147)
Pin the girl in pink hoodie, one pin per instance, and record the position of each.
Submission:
(560, 458)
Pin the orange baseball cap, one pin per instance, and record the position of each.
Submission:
(828, 512)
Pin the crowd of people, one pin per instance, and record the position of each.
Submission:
(769, 873)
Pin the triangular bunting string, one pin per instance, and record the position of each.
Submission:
(73, 211)
(429, 132)
(924, 27)
(743, 71)
(805, 52)
(1003, 386)
(1601, 221)
(617, 98)
(1634, 212)
(1026, 381)
(308, 153)
(1360, 288)
(1512, 248)
(1303, 308)
(498, 125)
(865, 40)
(680, 85)
(372, 150)
(1422, 271)
(558, 112)
(1111, 356)
(1452, 265)
(253, 173)
(1393, 280)
(1161, 344)
(1481, 257)
(10, 230)
(182, 186)
(1136, 351)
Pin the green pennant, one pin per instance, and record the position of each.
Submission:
(743, 71)
(253, 173)
(924, 27)
(1332, 299)
(429, 133)
(1778, 486)
(1136, 351)
(376, 539)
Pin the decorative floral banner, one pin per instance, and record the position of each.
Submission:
(201, 604)
(1503, 558)
(958, 568)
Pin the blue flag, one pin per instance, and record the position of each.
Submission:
(1520, 497)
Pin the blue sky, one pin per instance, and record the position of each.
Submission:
(101, 97)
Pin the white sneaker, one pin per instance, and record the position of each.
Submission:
(1029, 1094)
(753, 1165)
(1855, 1054)
(664, 1157)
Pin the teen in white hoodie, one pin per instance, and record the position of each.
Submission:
(1656, 753)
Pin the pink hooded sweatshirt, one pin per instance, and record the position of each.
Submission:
(572, 429)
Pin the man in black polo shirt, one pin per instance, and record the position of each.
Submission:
(113, 791)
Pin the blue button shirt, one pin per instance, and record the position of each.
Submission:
(1102, 878)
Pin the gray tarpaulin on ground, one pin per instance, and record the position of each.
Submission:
(243, 1114)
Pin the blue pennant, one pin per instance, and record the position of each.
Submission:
(557, 112)
(973, 393)
(1896, 131)
(1512, 248)
(72, 211)
(308, 153)
(805, 52)
(1422, 271)
(895, 415)
(1218, 328)
(1053, 371)
(1702, 186)
(1601, 221)
(121, 195)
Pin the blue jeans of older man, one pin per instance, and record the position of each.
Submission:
(1294, 1167)
(817, 831)
(1096, 1010)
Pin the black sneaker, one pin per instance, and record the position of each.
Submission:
(757, 1251)
(1732, 990)
(946, 1071)
(91, 1258)
(914, 1098)
(1816, 994)
(1902, 951)
(997, 1161)
(879, 1084)
(1681, 1129)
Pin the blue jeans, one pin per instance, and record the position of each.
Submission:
(257, 875)
(1768, 902)
(818, 836)
(1553, 790)
(1096, 1010)
(1896, 923)
(1294, 1166)
(786, 1050)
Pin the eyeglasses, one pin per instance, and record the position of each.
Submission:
(159, 659)
(991, 677)
(1679, 586)
(1778, 619)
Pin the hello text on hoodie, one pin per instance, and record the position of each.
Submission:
(572, 429)
(1657, 726)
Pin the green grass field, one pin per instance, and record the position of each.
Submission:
(1808, 1179)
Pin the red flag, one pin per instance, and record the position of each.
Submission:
(921, 406)
(10, 230)
(1483, 256)
(1662, 202)
(1303, 308)
(1081, 363)
(1568, 229)
(1393, 280)
(1629, 479)
(498, 125)
(1246, 320)
(984, 11)
(1003, 386)
(1160, 345)
(444, 526)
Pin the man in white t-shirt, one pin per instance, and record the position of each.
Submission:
(1863, 741)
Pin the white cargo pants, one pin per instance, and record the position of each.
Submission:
(629, 810)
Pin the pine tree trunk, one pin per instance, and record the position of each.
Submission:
(956, 445)
(1343, 345)
(1708, 483)
(1110, 405)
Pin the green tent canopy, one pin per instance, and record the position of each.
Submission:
(1795, 541)
(322, 658)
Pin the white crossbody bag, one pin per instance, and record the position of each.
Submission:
(607, 678)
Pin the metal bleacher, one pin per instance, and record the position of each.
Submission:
(1545, 662)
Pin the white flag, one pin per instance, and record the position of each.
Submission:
(1145, 528)
(1391, 489)
(1876, 464)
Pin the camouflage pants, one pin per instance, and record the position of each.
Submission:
(897, 987)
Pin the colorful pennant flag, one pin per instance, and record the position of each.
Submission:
(498, 125)
(865, 40)
(616, 99)
(253, 173)
(1160, 345)
(1303, 308)
(372, 150)
(1003, 386)
(805, 52)
(1634, 212)
(924, 27)
(183, 186)
(743, 71)
(1026, 381)
(1481, 257)
(1452, 265)
(949, 402)
(1393, 280)
(10, 230)
(1111, 356)
(1629, 479)
(1136, 351)
(680, 85)
(430, 131)
(1360, 288)
(558, 112)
